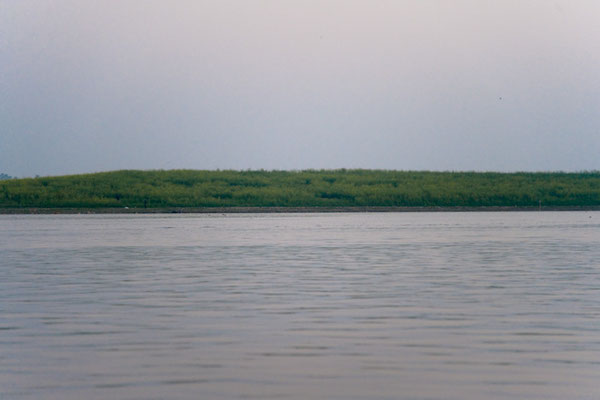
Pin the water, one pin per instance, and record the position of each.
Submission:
(301, 306)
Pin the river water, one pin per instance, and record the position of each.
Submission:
(301, 306)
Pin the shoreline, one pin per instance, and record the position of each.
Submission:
(280, 210)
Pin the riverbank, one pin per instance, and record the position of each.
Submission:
(267, 210)
(301, 191)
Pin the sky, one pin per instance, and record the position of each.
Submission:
(477, 85)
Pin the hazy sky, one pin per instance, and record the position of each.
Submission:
(293, 84)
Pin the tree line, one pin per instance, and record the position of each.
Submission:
(308, 188)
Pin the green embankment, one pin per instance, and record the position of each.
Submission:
(324, 188)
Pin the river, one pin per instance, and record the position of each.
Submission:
(500, 305)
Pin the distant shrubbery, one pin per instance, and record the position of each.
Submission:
(311, 188)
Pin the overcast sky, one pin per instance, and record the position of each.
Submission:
(511, 85)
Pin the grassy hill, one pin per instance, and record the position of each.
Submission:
(311, 188)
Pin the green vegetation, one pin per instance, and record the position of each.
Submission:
(324, 188)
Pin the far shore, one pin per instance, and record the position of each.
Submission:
(260, 210)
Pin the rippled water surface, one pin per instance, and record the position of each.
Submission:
(301, 306)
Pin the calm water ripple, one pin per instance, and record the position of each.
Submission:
(301, 306)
